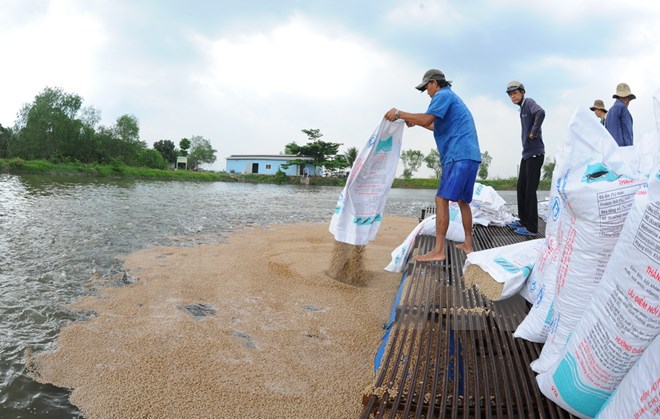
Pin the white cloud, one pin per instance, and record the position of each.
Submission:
(299, 58)
(263, 88)
(55, 49)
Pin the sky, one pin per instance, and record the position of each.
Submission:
(250, 75)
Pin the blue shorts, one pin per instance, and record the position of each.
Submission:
(457, 182)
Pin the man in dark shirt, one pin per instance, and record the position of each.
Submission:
(619, 122)
(533, 153)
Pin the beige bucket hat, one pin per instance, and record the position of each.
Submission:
(598, 104)
(623, 91)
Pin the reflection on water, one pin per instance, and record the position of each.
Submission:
(58, 233)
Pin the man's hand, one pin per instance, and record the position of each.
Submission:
(391, 115)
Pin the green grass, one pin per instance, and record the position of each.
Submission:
(42, 167)
(497, 184)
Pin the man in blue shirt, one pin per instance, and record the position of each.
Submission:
(456, 138)
(533, 153)
(619, 122)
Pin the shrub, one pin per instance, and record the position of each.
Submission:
(280, 177)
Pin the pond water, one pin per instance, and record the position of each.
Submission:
(56, 233)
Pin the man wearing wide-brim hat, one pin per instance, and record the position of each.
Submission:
(619, 122)
(599, 109)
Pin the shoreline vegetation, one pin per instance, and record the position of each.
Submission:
(46, 168)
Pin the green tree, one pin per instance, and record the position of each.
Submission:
(121, 142)
(151, 158)
(549, 168)
(412, 160)
(184, 145)
(486, 159)
(167, 149)
(201, 152)
(50, 127)
(351, 155)
(90, 116)
(5, 138)
(323, 153)
(432, 161)
(127, 129)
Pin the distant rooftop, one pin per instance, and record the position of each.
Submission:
(267, 157)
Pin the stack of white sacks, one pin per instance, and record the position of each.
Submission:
(488, 207)
(595, 286)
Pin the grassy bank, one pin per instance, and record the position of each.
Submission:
(41, 167)
(498, 184)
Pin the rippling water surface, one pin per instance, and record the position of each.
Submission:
(56, 233)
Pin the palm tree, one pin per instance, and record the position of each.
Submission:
(351, 155)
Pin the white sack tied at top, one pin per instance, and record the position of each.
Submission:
(360, 206)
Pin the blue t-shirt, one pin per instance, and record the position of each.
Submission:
(454, 130)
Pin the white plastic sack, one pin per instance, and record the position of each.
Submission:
(509, 265)
(601, 181)
(359, 209)
(622, 318)
(400, 254)
(638, 394)
(539, 289)
(534, 289)
(488, 207)
(455, 232)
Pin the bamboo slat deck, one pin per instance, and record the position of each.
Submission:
(449, 352)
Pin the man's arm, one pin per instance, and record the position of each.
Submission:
(539, 116)
(422, 119)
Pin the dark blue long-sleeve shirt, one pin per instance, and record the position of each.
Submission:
(531, 118)
(619, 123)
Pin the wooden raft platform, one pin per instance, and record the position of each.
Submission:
(449, 352)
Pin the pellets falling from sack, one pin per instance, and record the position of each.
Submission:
(485, 283)
(347, 264)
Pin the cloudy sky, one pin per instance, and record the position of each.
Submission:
(250, 75)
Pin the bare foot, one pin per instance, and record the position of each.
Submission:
(431, 256)
(463, 247)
